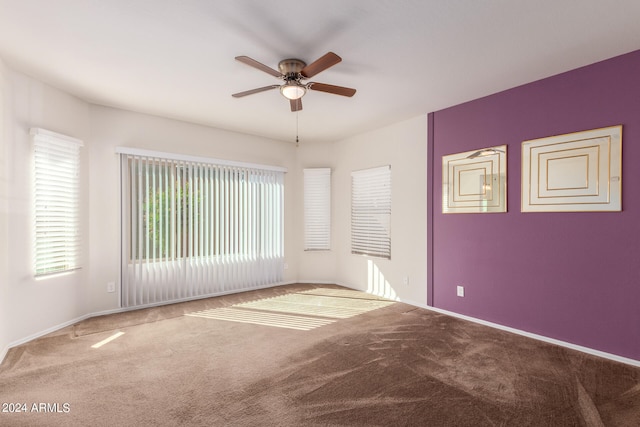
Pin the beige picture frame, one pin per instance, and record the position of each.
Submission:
(475, 181)
(574, 172)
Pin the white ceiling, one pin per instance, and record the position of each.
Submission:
(175, 58)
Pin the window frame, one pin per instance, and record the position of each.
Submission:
(317, 209)
(371, 212)
(234, 235)
(56, 202)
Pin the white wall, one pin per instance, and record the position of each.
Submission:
(32, 306)
(314, 266)
(4, 214)
(403, 146)
(111, 128)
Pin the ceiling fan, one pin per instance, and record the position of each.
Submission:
(293, 71)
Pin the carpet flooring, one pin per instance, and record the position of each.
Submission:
(306, 355)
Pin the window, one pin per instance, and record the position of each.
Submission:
(193, 228)
(317, 209)
(371, 212)
(57, 225)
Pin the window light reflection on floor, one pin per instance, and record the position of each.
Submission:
(301, 311)
(107, 340)
(231, 314)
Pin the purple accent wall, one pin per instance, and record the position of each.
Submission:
(569, 276)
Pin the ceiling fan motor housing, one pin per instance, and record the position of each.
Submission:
(290, 68)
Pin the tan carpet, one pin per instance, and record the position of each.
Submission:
(306, 355)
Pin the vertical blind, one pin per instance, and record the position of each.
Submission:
(192, 229)
(56, 199)
(317, 208)
(371, 212)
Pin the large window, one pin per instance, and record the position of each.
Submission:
(371, 212)
(317, 209)
(193, 228)
(56, 190)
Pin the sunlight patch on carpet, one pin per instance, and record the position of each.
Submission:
(316, 305)
(107, 340)
(301, 311)
(232, 314)
(345, 293)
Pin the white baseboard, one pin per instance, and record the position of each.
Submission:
(187, 299)
(3, 353)
(580, 348)
(315, 282)
(41, 334)
(565, 344)
(47, 331)
(576, 347)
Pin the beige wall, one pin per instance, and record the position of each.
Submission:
(4, 214)
(30, 307)
(314, 266)
(111, 128)
(403, 146)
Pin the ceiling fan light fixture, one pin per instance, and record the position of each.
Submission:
(293, 90)
(293, 71)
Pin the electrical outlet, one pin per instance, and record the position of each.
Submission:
(460, 291)
(111, 287)
(286, 266)
(405, 280)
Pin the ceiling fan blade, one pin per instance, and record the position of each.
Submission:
(336, 90)
(260, 66)
(252, 91)
(328, 60)
(296, 104)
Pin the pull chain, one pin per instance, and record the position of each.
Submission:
(297, 140)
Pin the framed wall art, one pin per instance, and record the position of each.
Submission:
(575, 172)
(475, 181)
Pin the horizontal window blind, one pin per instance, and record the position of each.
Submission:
(192, 229)
(317, 208)
(371, 212)
(56, 197)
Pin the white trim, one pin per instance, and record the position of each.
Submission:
(47, 133)
(52, 329)
(560, 343)
(196, 159)
(188, 299)
(315, 282)
(371, 205)
(579, 348)
(3, 354)
(56, 221)
(41, 334)
(565, 344)
(317, 209)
